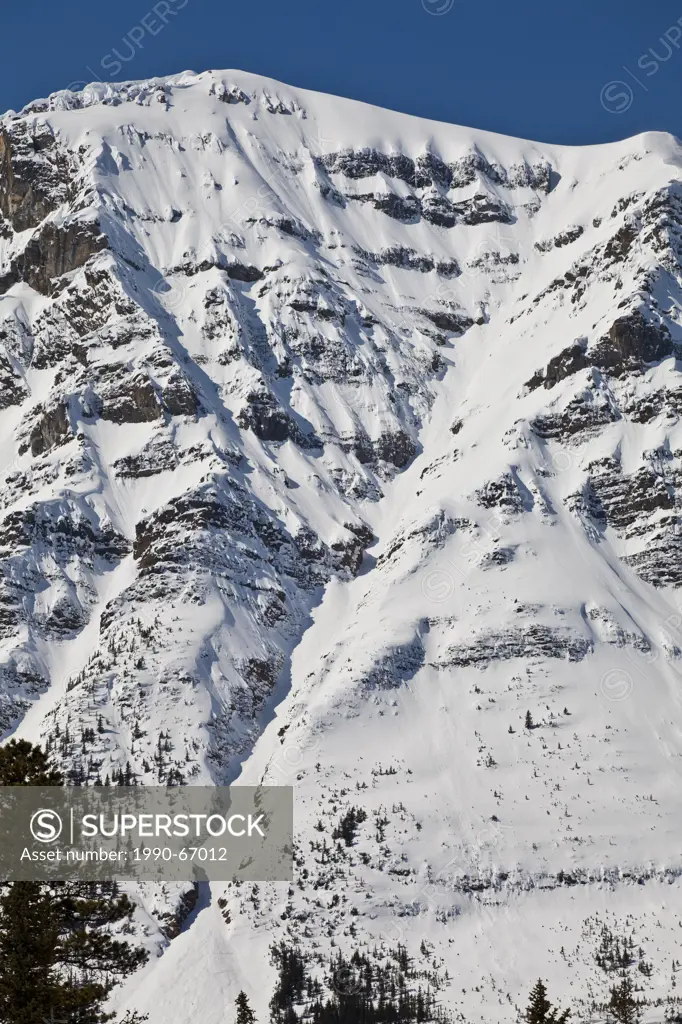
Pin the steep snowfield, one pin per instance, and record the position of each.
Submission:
(335, 442)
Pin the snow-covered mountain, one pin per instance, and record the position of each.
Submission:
(342, 449)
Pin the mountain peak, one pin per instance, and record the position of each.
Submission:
(338, 442)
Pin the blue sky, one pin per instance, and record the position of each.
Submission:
(589, 71)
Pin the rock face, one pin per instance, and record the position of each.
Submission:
(315, 449)
(52, 428)
(127, 397)
(530, 642)
(34, 173)
(631, 343)
(53, 251)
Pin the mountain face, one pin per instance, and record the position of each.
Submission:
(342, 449)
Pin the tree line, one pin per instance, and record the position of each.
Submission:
(58, 958)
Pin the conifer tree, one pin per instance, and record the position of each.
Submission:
(245, 1014)
(28, 937)
(540, 1010)
(623, 1007)
(22, 764)
(56, 960)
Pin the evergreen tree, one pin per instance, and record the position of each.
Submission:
(623, 1007)
(22, 764)
(28, 938)
(56, 960)
(362, 989)
(348, 825)
(245, 1014)
(540, 1010)
(529, 723)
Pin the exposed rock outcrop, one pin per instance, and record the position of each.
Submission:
(53, 251)
(34, 173)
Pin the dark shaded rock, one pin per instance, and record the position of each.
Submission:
(468, 168)
(12, 613)
(89, 309)
(632, 342)
(483, 209)
(584, 412)
(436, 209)
(13, 391)
(178, 395)
(533, 641)
(628, 500)
(539, 176)
(80, 311)
(266, 418)
(243, 272)
(66, 617)
(55, 250)
(660, 562)
(33, 174)
(66, 529)
(260, 670)
(494, 260)
(499, 556)
(586, 504)
(158, 456)
(406, 209)
(395, 447)
(568, 362)
(154, 541)
(563, 238)
(171, 922)
(447, 268)
(348, 553)
(503, 493)
(235, 270)
(20, 685)
(313, 305)
(647, 407)
(213, 529)
(409, 259)
(365, 163)
(447, 320)
(431, 168)
(396, 667)
(362, 448)
(52, 429)
(129, 398)
(618, 248)
(292, 227)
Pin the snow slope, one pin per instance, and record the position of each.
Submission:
(336, 442)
